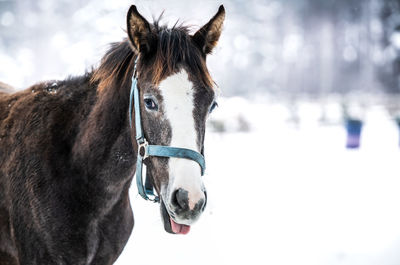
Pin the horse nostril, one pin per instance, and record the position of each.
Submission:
(180, 199)
(205, 201)
(200, 205)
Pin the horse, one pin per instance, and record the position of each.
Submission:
(68, 153)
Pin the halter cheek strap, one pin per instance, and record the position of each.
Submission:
(145, 150)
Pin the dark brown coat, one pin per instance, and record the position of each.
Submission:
(68, 155)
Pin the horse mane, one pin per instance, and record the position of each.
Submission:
(173, 49)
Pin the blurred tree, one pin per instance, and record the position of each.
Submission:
(389, 71)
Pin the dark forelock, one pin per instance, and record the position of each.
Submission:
(172, 50)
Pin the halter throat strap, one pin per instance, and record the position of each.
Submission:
(145, 149)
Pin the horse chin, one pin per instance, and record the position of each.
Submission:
(165, 217)
(170, 225)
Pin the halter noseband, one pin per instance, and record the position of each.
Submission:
(145, 150)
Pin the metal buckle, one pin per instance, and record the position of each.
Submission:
(142, 149)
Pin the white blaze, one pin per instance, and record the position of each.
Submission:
(177, 92)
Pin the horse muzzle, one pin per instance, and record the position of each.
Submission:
(182, 210)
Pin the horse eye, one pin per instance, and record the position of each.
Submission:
(150, 104)
(213, 106)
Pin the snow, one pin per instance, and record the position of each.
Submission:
(281, 194)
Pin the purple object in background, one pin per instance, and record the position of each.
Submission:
(353, 127)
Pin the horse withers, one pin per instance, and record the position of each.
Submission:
(68, 153)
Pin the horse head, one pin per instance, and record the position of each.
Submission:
(176, 95)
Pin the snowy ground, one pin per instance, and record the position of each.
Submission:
(285, 195)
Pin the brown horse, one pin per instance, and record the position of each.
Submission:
(68, 154)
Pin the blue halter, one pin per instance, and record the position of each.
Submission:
(145, 150)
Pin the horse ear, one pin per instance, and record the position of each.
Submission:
(139, 30)
(207, 37)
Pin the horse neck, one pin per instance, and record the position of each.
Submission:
(103, 149)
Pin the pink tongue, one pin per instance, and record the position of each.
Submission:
(178, 228)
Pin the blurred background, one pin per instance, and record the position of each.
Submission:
(303, 151)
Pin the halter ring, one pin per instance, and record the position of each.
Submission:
(143, 149)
